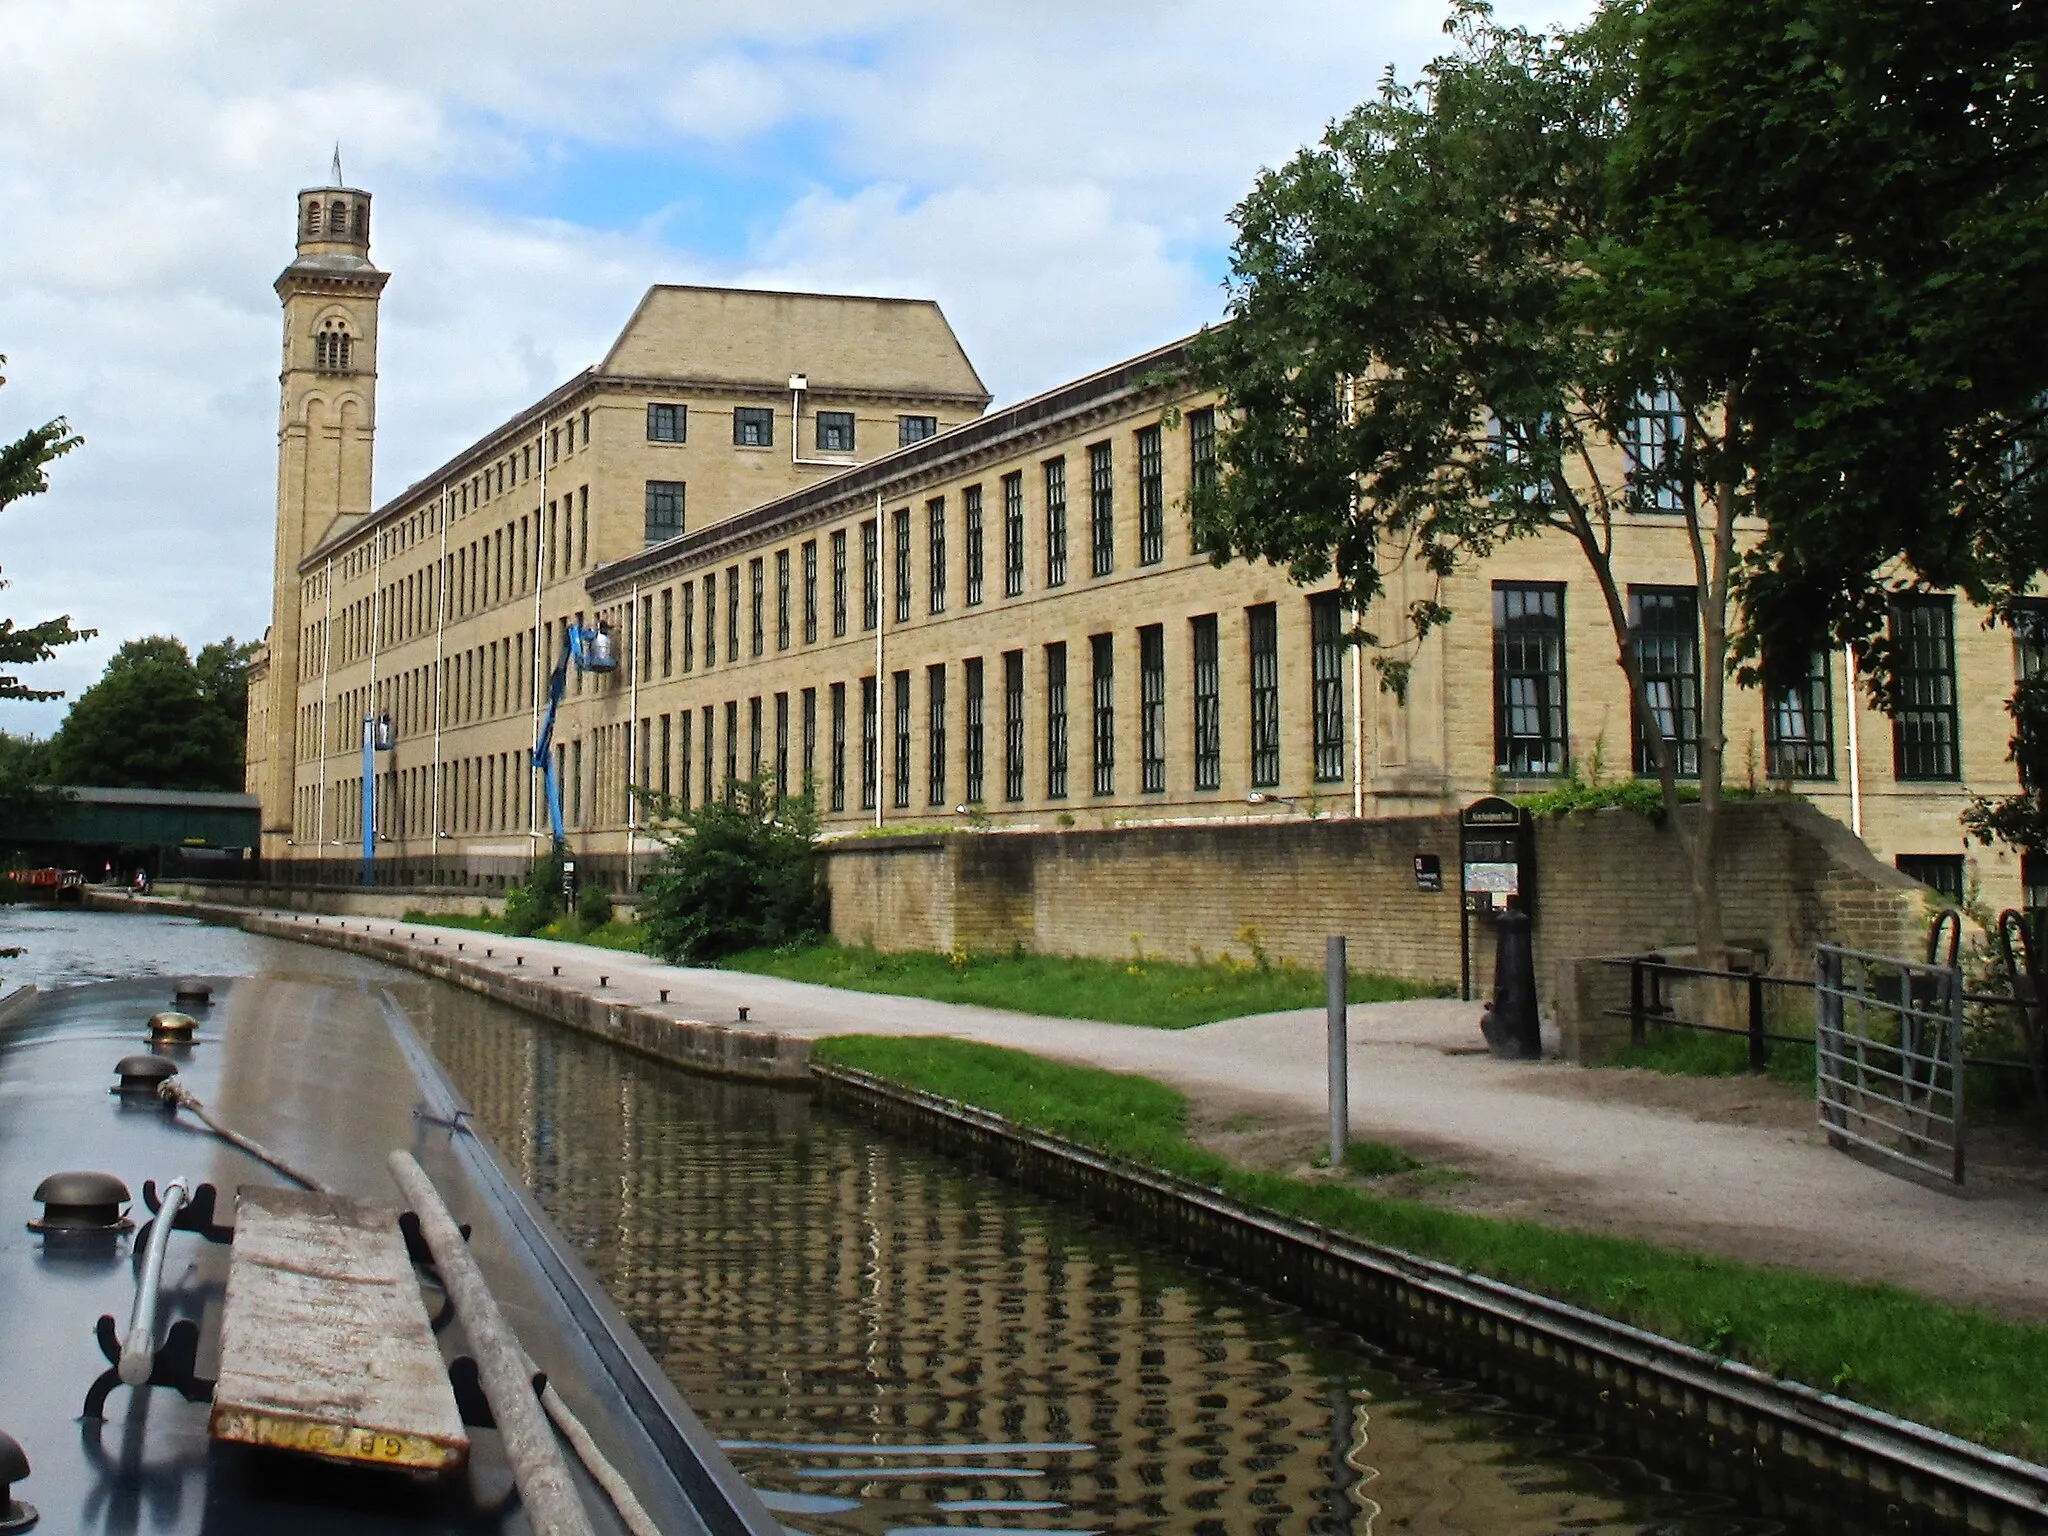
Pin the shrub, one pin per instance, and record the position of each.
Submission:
(737, 873)
(531, 906)
(593, 906)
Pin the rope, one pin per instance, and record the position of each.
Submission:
(175, 1093)
(632, 1513)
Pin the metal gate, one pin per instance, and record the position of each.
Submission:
(1888, 1057)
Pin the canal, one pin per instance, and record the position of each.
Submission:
(890, 1345)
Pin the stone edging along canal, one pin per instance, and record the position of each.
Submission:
(1718, 1418)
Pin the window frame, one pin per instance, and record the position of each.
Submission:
(1056, 754)
(935, 733)
(1102, 712)
(899, 685)
(915, 429)
(1684, 703)
(975, 553)
(1151, 495)
(1656, 444)
(1808, 752)
(1014, 734)
(1152, 709)
(831, 423)
(1055, 479)
(1924, 867)
(1545, 752)
(1013, 534)
(667, 422)
(1206, 673)
(1326, 686)
(1262, 647)
(935, 554)
(973, 704)
(660, 492)
(1101, 509)
(753, 426)
(1925, 696)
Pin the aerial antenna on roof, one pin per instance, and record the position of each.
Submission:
(337, 181)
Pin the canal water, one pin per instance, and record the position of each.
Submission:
(890, 1345)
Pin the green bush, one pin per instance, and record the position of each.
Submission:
(737, 873)
(593, 906)
(531, 906)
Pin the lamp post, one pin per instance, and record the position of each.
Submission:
(378, 736)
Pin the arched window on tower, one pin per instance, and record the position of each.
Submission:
(337, 217)
(332, 346)
(356, 221)
(313, 217)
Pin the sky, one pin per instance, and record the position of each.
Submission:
(1058, 176)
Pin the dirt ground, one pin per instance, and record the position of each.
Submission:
(1274, 1132)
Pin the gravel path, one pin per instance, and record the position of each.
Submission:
(1728, 1166)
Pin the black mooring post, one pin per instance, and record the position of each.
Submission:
(1635, 1003)
(1759, 1051)
(1511, 1025)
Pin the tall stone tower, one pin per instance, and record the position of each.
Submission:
(327, 423)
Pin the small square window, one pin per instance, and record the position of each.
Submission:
(753, 426)
(1941, 872)
(667, 423)
(835, 431)
(915, 429)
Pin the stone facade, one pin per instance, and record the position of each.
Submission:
(1006, 621)
(444, 608)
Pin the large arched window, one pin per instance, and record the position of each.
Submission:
(332, 346)
(337, 217)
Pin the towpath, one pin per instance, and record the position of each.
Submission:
(1732, 1167)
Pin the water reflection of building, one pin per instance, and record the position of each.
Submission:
(804, 1283)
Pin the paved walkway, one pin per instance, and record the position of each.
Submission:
(1729, 1166)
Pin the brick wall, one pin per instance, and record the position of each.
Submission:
(1608, 882)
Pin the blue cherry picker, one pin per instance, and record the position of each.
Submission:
(591, 650)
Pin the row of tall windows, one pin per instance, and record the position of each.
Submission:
(992, 750)
(665, 520)
(1531, 736)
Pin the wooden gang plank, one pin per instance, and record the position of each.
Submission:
(325, 1345)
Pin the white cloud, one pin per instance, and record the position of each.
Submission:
(1055, 174)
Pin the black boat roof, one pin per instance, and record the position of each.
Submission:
(324, 1071)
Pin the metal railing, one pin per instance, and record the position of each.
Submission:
(483, 874)
(1650, 1002)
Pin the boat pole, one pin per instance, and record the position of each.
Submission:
(552, 1504)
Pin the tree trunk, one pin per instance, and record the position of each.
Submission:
(1709, 933)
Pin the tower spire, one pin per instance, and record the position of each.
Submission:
(337, 181)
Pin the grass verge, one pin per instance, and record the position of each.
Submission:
(1958, 1369)
(1142, 990)
(1693, 1053)
(612, 935)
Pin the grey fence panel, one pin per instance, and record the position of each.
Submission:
(1888, 1058)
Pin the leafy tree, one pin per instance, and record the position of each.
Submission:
(223, 672)
(1420, 364)
(736, 873)
(150, 722)
(1841, 206)
(2020, 820)
(24, 465)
